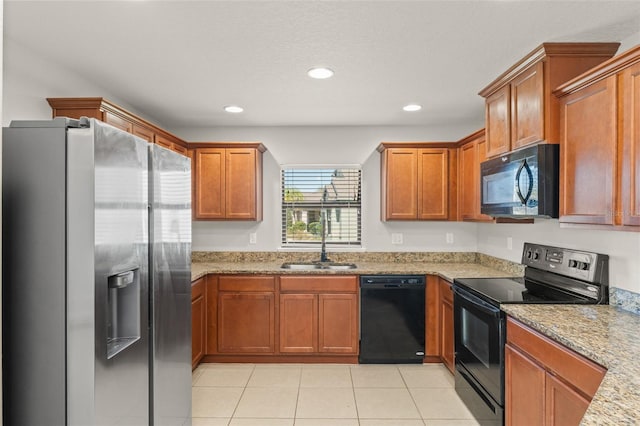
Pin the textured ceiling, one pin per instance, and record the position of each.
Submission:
(180, 62)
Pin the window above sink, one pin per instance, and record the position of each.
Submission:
(313, 195)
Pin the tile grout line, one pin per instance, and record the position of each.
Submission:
(253, 369)
(295, 412)
(412, 398)
(353, 392)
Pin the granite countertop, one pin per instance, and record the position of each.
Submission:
(605, 334)
(448, 271)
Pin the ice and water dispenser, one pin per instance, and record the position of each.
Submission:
(123, 318)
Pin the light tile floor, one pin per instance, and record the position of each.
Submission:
(326, 395)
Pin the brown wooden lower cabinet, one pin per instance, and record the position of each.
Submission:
(319, 314)
(338, 323)
(281, 318)
(446, 325)
(246, 315)
(545, 382)
(298, 323)
(197, 321)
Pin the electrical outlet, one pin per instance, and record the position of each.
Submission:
(396, 238)
(253, 238)
(449, 237)
(509, 243)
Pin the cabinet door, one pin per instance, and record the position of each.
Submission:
(588, 154)
(164, 142)
(630, 188)
(481, 151)
(497, 119)
(246, 322)
(467, 189)
(180, 149)
(298, 323)
(117, 122)
(197, 330)
(527, 107)
(471, 155)
(565, 406)
(446, 320)
(338, 323)
(211, 315)
(400, 183)
(524, 389)
(143, 133)
(209, 183)
(433, 184)
(240, 192)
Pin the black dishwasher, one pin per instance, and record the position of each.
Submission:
(392, 319)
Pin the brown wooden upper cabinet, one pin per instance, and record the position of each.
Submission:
(600, 145)
(472, 153)
(519, 106)
(227, 181)
(118, 117)
(418, 181)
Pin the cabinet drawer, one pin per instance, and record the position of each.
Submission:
(245, 283)
(582, 373)
(197, 289)
(347, 283)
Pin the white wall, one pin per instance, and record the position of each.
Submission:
(329, 145)
(29, 79)
(629, 42)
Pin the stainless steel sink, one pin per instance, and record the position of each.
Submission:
(340, 266)
(317, 265)
(301, 266)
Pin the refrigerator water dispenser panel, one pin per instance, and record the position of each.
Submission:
(123, 311)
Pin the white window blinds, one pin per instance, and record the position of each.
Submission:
(313, 195)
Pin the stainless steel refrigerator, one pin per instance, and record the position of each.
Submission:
(96, 277)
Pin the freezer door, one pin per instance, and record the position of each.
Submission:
(170, 220)
(33, 287)
(121, 277)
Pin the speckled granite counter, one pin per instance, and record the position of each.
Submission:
(607, 335)
(448, 265)
(448, 271)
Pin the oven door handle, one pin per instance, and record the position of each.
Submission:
(478, 303)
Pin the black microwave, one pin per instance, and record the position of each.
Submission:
(523, 183)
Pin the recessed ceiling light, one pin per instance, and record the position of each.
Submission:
(233, 109)
(412, 107)
(320, 73)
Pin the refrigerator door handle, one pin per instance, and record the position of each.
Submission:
(122, 279)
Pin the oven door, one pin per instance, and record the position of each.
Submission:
(479, 341)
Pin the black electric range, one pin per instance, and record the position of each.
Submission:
(552, 276)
